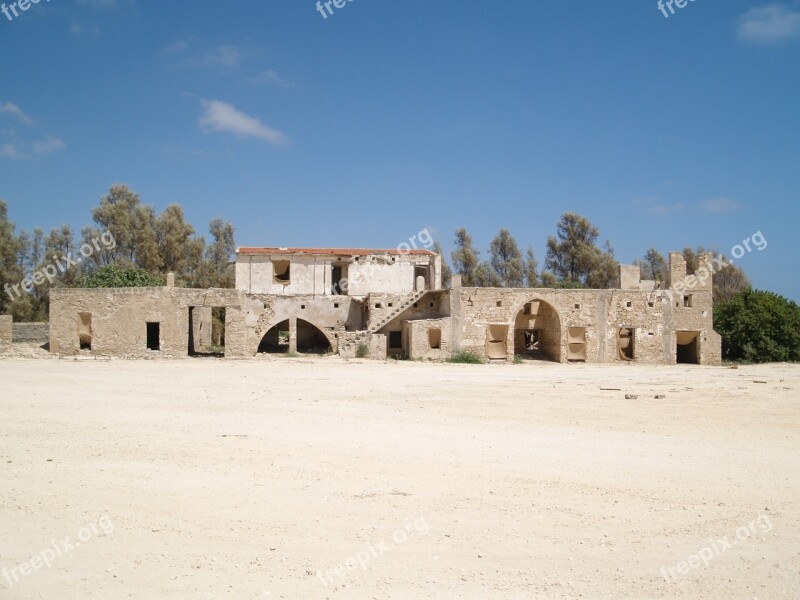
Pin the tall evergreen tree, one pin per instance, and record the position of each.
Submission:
(506, 260)
(465, 258)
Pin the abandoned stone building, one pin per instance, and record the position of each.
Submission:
(383, 303)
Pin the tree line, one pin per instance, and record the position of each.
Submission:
(574, 259)
(755, 326)
(147, 247)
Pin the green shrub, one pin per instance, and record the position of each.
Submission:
(518, 359)
(759, 327)
(113, 276)
(466, 357)
(362, 351)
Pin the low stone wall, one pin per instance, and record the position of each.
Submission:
(349, 341)
(5, 332)
(31, 333)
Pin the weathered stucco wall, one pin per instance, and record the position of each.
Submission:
(114, 321)
(350, 341)
(330, 314)
(313, 275)
(693, 309)
(594, 319)
(429, 339)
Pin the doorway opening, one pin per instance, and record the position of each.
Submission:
(688, 348)
(85, 331)
(276, 340)
(626, 343)
(537, 332)
(154, 336)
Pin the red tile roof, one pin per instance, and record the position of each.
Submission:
(333, 251)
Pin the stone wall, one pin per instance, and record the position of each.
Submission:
(429, 339)
(115, 321)
(331, 315)
(589, 325)
(31, 333)
(5, 332)
(349, 342)
(639, 323)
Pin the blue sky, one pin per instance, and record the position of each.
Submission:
(387, 117)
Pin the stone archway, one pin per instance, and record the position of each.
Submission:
(537, 332)
(295, 334)
(311, 339)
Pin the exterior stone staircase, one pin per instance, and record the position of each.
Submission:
(397, 310)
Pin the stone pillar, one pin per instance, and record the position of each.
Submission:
(6, 335)
(170, 280)
(293, 334)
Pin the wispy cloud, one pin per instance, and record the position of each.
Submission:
(271, 77)
(770, 24)
(17, 147)
(721, 205)
(9, 108)
(222, 56)
(656, 206)
(224, 118)
(21, 150)
(186, 53)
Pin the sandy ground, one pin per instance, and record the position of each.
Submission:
(321, 478)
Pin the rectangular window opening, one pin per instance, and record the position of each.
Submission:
(435, 339)
(283, 271)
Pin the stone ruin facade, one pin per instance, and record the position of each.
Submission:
(379, 303)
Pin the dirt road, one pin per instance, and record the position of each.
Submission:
(320, 478)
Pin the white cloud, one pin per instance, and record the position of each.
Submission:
(721, 205)
(769, 24)
(21, 150)
(9, 108)
(223, 56)
(223, 118)
(226, 56)
(657, 207)
(271, 77)
(48, 145)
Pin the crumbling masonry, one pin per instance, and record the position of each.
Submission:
(390, 303)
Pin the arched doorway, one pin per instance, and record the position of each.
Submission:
(276, 340)
(537, 332)
(311, 339)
